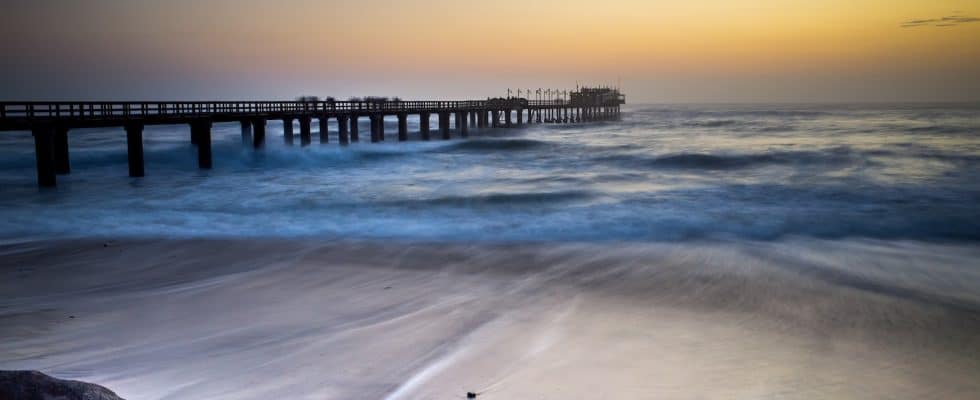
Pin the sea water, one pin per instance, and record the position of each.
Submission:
(660, 173)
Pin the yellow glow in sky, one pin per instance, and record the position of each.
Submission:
(694, 50)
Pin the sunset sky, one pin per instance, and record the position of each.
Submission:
(662, 51)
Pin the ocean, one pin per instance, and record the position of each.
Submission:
(684, 252)
(662, 173)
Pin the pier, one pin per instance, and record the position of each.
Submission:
(51, 122)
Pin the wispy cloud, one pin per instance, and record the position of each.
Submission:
(950, 20)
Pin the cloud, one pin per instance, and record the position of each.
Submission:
(917, 22)
(951, 20)
(960, 19)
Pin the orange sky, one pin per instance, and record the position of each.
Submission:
(684, 51)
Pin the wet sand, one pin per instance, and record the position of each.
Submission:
(299, 319)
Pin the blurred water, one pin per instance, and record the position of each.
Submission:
(665, 172)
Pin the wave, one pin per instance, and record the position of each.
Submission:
(692, 113)
(497, 144)
(833, 156)
(941, 129)
(503, 199)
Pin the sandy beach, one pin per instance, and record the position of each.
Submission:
(261, 319)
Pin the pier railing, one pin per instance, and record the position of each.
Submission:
(188, 109)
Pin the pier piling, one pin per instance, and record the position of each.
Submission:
(62, 166)
(342, 130)
(287, 130)
(134, 145)
(402, 127)
(375, 129)
(424, 120)
(258, 133)
(305, 134)
(323, 126)
(462, 125)
(44, 155)
(354, 128)
(246, 132)
(444, 125)
(202, 131)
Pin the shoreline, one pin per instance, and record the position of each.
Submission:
(265, 318)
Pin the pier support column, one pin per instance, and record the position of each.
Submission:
(402, 127)
(507, 121)
(354, 128)
(564, 111)
(322, 125)
(539, 115)
(258, 133)
(472, 118)
(375, 128)
(62, 166)
(463, 126)
(444, 125)
(424, 125)
(381, 127)
(134, 145)
(520, 116)
(342, 121)
(495, 119)
(246, 132)
(287, 130)
(44, 155)
(305, 134)
(202, 131)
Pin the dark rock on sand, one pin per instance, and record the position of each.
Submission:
(33, 385)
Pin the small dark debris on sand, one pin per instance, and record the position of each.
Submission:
(33, 385)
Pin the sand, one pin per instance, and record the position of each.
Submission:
(306, 319)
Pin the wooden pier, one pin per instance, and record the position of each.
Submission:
(50, 122)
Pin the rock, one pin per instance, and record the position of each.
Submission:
(33, 385)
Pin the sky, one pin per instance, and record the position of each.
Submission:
(657, 51)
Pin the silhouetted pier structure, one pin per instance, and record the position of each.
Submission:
(50, 122)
